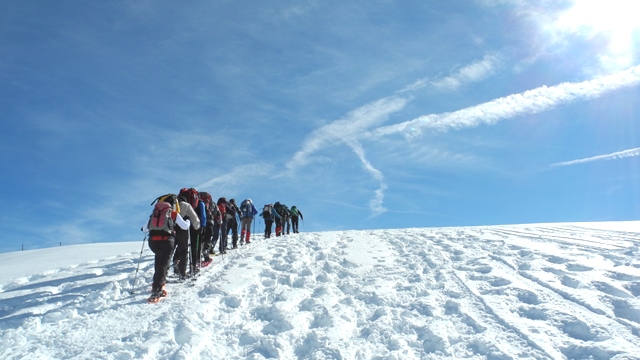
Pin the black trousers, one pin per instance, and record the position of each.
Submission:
(232, 227)
(206, 238)
(294, 224)
(182, 250)
(267, 227)
(196, 245)
(162, 250)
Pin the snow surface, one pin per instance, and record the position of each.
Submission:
(539, 291)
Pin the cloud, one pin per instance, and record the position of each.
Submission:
(469, 74)
(375, 204)
(529, 102)
(349, 128)
(237, 177)
(612, 156)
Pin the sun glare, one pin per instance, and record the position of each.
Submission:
(617, 19)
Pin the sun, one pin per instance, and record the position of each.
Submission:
(616, 19)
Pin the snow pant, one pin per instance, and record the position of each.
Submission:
(278, 226)
(162, 250)
(182, 251)
(287, 222)
(232, 226)
(220, 231)
(206, 238)
(294, 224)
(267, 228)
(246, 229)
(196, 246)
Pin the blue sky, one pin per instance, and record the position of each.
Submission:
(364, 114)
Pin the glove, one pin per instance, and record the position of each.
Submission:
(188, 222)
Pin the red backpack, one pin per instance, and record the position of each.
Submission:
(161, 221)
(191, 195)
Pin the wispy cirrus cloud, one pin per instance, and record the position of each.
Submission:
(471, 73)
(347, 129)
(612, 156)
(529, 102)
(229, 182)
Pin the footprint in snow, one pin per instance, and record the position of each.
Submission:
(610, 289)
(557, 260)
(533, 313)
(578, 267)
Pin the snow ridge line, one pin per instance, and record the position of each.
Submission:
(606, 235)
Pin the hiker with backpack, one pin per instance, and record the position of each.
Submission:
(286, 223)
(218, 218)
(283, 211)
(232, 222)
(269, 214)
(247, 212)
(220, 228)
(207, 229)
(161, 227)
(183, 237)
(196, 233)
(295, 213)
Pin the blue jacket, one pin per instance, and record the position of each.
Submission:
(202, 213)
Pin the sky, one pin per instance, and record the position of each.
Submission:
(535, 291)
(364, 114)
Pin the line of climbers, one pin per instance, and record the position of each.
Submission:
(185, 228)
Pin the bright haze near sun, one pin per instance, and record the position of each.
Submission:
(615, 20)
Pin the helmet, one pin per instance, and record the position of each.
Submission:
(248, 200)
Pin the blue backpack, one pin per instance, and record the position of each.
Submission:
(245, 209)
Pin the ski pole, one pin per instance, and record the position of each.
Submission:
(138, 268)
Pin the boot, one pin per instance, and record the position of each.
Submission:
(248, 236)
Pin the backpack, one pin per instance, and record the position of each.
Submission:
(191, 195)
(294, 211)
(169, 198)
(284, 210)
(266, 211)
(160, 221)
(206, 198)
(245, 209)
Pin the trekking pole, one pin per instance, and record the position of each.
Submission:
(138, 268)
(189, 250)
(198, 252)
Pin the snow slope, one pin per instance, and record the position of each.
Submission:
(540, 291)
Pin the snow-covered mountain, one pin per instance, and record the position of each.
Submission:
(541, 291)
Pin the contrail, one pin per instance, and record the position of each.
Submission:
(615, 155)
(529, 102)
